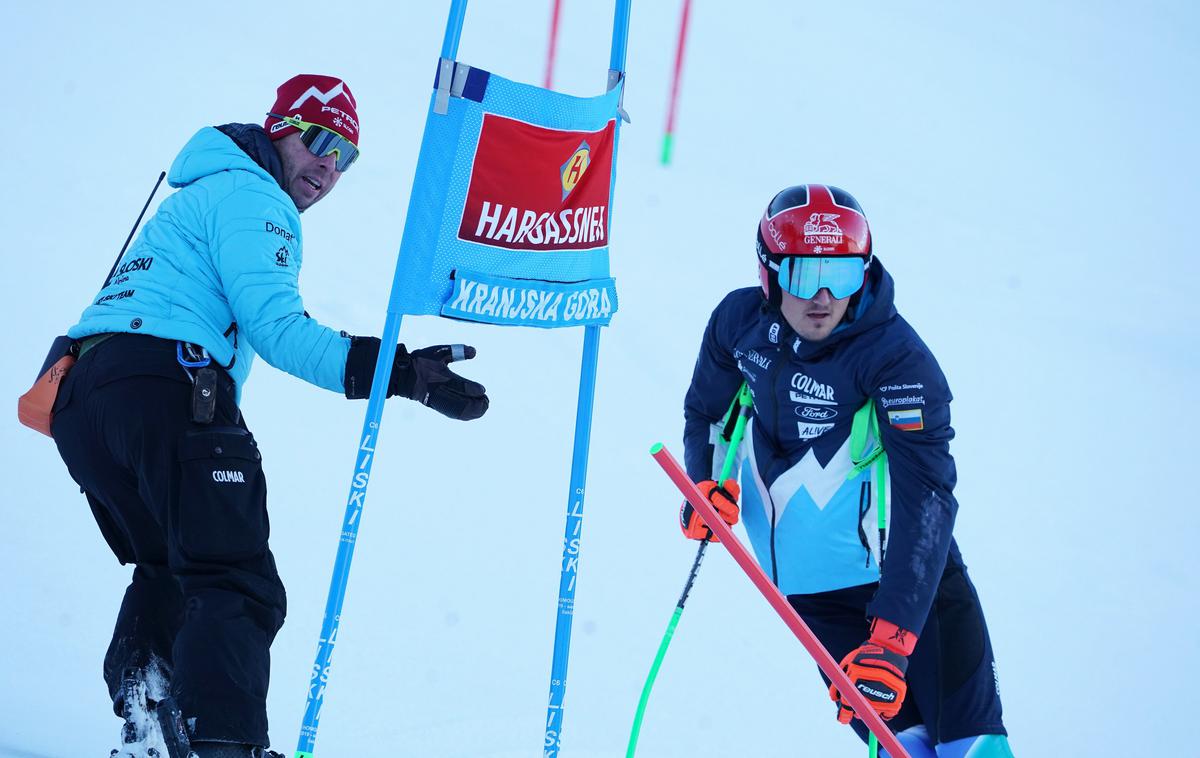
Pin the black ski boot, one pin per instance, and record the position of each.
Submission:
(131, 704)
(174, 733)
(153, 728)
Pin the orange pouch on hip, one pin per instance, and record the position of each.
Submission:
(35, 409)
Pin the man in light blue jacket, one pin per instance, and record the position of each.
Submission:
(148, 420)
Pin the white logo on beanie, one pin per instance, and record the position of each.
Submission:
(324, 97)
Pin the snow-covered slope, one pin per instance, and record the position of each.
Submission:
(1029, 173)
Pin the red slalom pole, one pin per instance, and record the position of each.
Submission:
(555, 11)
(809, 640)
(669, 134)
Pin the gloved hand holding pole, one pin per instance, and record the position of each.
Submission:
(850, 696)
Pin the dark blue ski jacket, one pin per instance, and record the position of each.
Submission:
(811, 519)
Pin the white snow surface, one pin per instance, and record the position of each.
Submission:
(1029, 170)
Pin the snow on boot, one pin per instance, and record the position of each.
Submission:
(153, 726)
(140, 734)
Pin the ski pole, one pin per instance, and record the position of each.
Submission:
(881, 522)
(850, 694)
(743, 404)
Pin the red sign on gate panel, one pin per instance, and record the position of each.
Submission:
(538, 189)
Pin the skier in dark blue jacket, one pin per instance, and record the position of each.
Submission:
(847, 475)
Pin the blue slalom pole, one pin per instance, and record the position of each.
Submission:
(363, 460)
(620, 38)
(583, 429)
(454, 25)
(571, 542)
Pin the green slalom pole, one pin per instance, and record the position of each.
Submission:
(876, 463)
(667, 143)
(881, 524)
(742, 404)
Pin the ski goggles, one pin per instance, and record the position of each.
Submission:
(321, 141)
(805, 276)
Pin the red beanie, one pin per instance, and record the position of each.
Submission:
(324, 100)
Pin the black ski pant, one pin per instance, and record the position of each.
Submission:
(952, 683)
(185, 503)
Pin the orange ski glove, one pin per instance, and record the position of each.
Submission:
(877, 669)
(724, 499)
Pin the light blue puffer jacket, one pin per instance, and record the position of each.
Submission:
(218, 265)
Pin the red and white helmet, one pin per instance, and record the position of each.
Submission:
(809, 220)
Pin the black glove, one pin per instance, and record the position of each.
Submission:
(422, 375)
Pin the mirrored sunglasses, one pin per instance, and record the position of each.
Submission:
(322, 141)
(805, 276)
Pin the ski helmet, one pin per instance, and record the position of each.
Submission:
(809, 221)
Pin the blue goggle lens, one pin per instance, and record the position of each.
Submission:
(803, 277)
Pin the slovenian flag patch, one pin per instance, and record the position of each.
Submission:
(907, 420)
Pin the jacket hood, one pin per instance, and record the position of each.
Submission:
(254, 142)
(233, 147)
